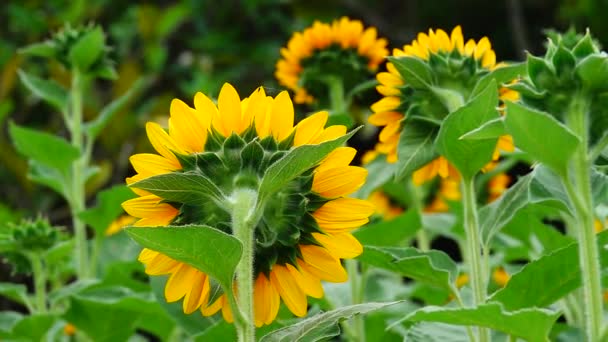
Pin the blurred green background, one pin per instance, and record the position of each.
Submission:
(193, 46)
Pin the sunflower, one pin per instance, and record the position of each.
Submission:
(455, 65)
(305, 228)
(343, 49)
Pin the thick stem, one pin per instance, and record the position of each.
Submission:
(336, 95)
(77, 194)
(243, 227)
(577, 121)
(39, 275)
(476, 271)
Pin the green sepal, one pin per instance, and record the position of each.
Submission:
(593, 72)
(585, 46)
(211, 165)
(563, 61)
(252, 156)
(414, 71)
(540, 72)
(87, 49)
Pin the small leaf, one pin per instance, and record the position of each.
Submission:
(321, 326)
(469, 156)
(190, 187)
(207, 249)
(532, 129)
(544, 281)
(413, 71)
(107, 209)
(415, 148)
(390, 233)
(433, 267)
(15, 292)
(95, 126)
(47, 176)
(47, 149)
(44, 49)
(87, 49)
(296, 162)
(529, 324)
(49, 91)
(489, 130)
(501, 75)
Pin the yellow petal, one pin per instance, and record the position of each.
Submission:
(198, 294)
(386, 104)
(226, 310)
(384, 118)
(229, 106)
(257, 105)
(338, 181)
(341, 156)
(292, 295)
(330, 133)
(309, 284)
(281, 124)
(344, 209)
(206, 107)
(457, 39)
(187, 127)
(322, 264)
(342, 245)
(179, 283)
(310, 128)
(482, 46)
(161, 264)
(261, 304)
(149, 207)
(163, 143)
(151, 164)
(210, 310)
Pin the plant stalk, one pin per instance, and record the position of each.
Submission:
(40, 277)
(422, 239)
(580, 195)
(243, 226)
(77, 194)
(357, 288)
(476, 271)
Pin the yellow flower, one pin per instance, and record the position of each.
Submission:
(500, 276)
(449, 189)
(118, 224)
(455, 65)
(305, 229)
(497, 185)
(349, 42)
(383, 205)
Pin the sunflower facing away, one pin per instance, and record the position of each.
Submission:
(305, 227)
(343, 49)
(454, 65)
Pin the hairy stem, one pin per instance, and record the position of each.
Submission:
(40, 277)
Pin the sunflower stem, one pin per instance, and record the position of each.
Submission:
(243, 217)
(40, 277)
(77, 194)
(476, 271)
(357, 282)
(580, 195)
(422, 239)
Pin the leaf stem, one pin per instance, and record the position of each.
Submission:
(77, 193)
(476, 271)
(40, 277)
(577, 121)
(243, 227)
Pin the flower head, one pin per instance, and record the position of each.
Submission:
(304, 229)
(343, 49)
(449, 66)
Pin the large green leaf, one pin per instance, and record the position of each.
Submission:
(541, 135)
(416, 147)
(414, 71)
(107, 209)
(296, 162)
(469, 156)
(321, 326)
(87, 49)
(207, 249)
(436, 332)
(547, 279)
(189, 187)
(8, 319)
(432, 267)
(529, 324)
(34, 327)
(49, 91)
(491, 129)
(390, 233)
(46, 149)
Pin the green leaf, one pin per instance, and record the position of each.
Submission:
(49, 91)
(390, 233)
(8, 319)
(207, 249)
(59, 252)
(219, 331)
(529, 324)
(416, 147)
(44, 49)
(190, 187)
(296, 162)
(539, 71)
(16, 293)
(34, 327)
(501, 75)
(382, 170)
(107, 209)
(532, 129)
(547, 187)
(46, 149)
(469, 156)
(87, 49)
(109, 313)
(47, 176)
(432, 267)
(414, 71)
(593, 71)
(489, 130)
(599, 187)
(436, 332)
(544, 281)
(321, 326)
(106, 115)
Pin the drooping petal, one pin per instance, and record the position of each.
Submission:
(292, 295)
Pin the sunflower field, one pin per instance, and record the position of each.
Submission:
(283, 170)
